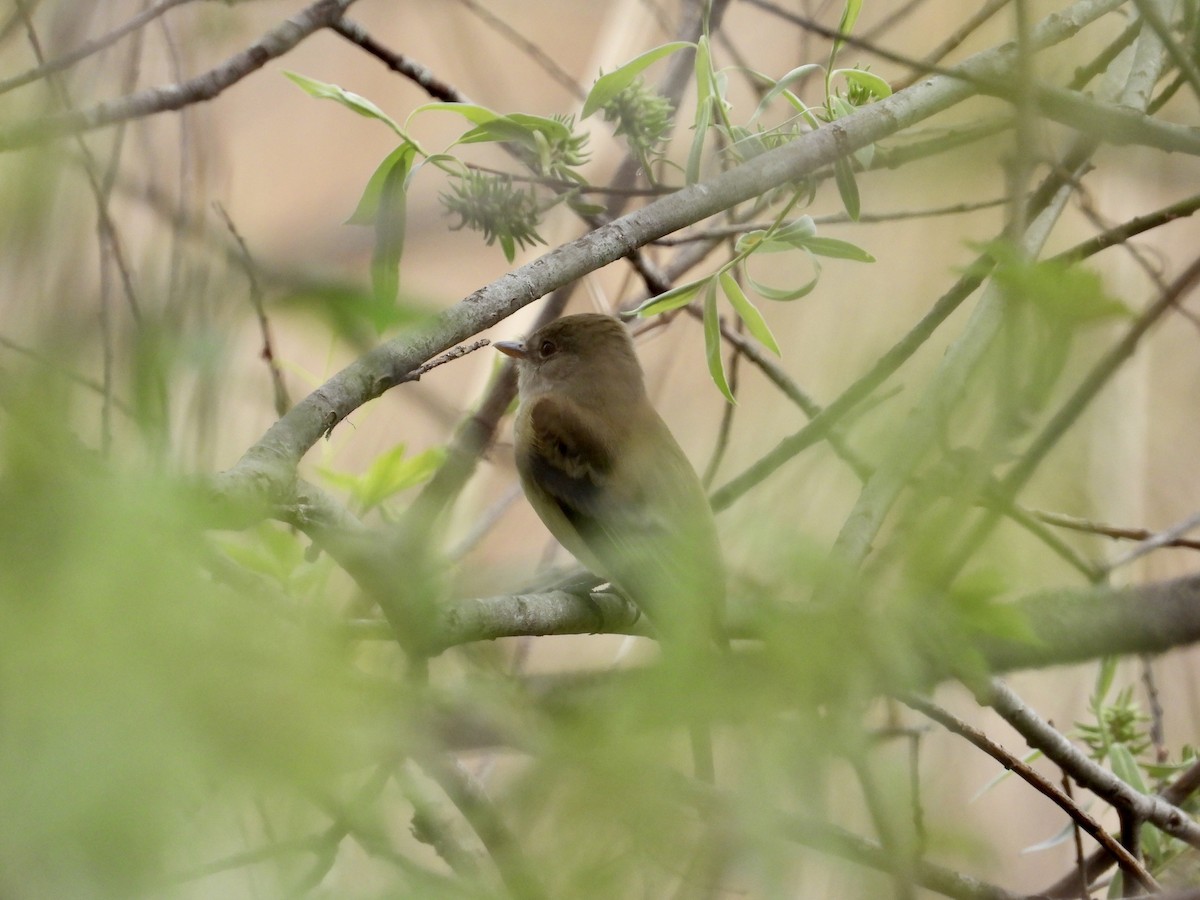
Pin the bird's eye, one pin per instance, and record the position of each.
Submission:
(548, 348)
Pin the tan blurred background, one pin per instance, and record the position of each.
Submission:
(289, 170)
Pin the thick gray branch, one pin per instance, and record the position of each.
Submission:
(1070, 626)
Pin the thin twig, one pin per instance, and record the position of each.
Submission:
(282, 401)
(88, 48)
(1043, 786)
(964, 31)
(1071, 409)
(526, 46)
(1101, 782)
(273, 44)
(1177, 792)
(1088, 526)
(1165, 538)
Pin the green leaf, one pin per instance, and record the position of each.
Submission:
(1104, 679)
(845, 26)
(390, 218)
(781, 87)
(870, 82)
(836, 249)
(712, 342)
(798, 229)
(368, 204)
(748, 312)
(389, 474)
(703, 74)
(784, 295)
(847, 186)
(348, 99)
(696, 153)
(672, 299)
(746, 143)
(517, 128)
(609, 85)
(355, 315)
(785, 238)
(472, 112)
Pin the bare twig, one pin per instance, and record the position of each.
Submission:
(282, 401)
(88, 48)
(1103, 783)
(526, 46)
(1177, 792)
(275, 43)
(1128, 862)
(1061, 520)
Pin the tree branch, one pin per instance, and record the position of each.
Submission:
(272, 45)
(269, 465)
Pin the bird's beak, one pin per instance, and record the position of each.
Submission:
(515, 349)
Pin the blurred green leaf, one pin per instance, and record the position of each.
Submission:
(389, 474)
(348, 99)
(368, 205)
(785, 295)
(390, 217)
(781, 88)
(836, 249)
(712, 342)
(355, 315)
(139, 694)
(607, 86)
(849, 16)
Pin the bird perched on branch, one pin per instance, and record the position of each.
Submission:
(605, 475)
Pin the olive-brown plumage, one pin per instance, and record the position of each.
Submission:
(605, 475)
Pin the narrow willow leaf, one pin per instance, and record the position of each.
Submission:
(348, 99)
(609, 85)
(696, 153)
(672, 299)
(785, 295)
(836, 249)
(517, 128)
(845, 26)
(390, 218)
(1104, 679)
(703, 72)
(712, 342)
(748, 312)
(847, 186)
(781, 87)
(368, 204)
(472, 112)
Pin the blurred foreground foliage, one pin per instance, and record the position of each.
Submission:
(171, 697)
(139, 696)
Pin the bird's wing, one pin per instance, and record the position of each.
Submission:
(638, 519)
(571, 463)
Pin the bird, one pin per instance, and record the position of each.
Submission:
(605, 475)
